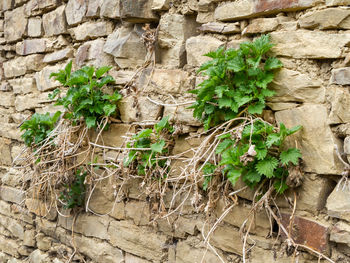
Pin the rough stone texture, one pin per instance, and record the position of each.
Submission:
(30, 101)
(341, 76)
(22, 85)
(187, 254)
(15, 24)
(11, 194)
(181, 115)
(9, 246)
(315, 140)
(231, 11)
(6, 99)
(139, 212)
(326, 19)
(293, 86)
(91, 30)
(136, 240)
(75, 11)
(196, 47)
(110, 9)
(309, 44)
(223, 28)
(340, 233)
(93, 9)
(31, 46)
(34, 28)
(174, 30)
(339, 99)
(160, 5)
(54, 23)
(227, 239)
(262, 25)
(91, 53)
(338, 203)
(58, 55)
(137, 11)
(5, 152)
(337, 2)
(41, 208)
(20, 66)
(43, 80)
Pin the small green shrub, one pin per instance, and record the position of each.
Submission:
(154, 143)
(237, 80)
(85, 97)
(74, 193)
(38, 127)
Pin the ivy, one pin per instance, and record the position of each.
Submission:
(85, 97)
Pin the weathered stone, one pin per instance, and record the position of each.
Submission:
(7, 4)
(121, 77)
(5, 86)
(43, 243)
(137, 11)
(10, 130)
(326, 19)
(41, 208)
(174, 30)
(115, 136)
(91, 30)
(110, 9)
(38, 256)
(340, 233)
(30, 101)
(15, 227)
(277, 106)
(188, 254)
(337, 2)
(341, 76)
(181, 115)
(15, 24)
(137, 240)
(22, 65)
(5, 152)
(293, 86)
(261, 25)
(184, 145)
(338, 203)
(126, 45)
(339, 99)
(138, 109)
(93, 9)
(228, 239)
(58, 55)
(231, 11)
(13, 177)
(315, 140)
(9, 246)
(309, 44)
(158, 5)
(221, 28)
(196, 47)
(29, 238)
(307, 231)
(34, 28)
(75, 11)
(31, 46)
(43, 80)
(139, 212)
(206, 5)
(347, 147)
(6, 99)
(133, 259)
(11, 194)
(55, 22)
(91, 53)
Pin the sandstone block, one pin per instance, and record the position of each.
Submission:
(22, 65)
(75, 11)
(337, 2)
(341, 76)
(38, 256)
(338, 203)
(196, 47)
(43, 80)
(326, 19)
(91, 53)
(185, 253)
(5, 152)
(237, 10)
(221, 28)
(34, 28)
(121, 77)
(7, 4)
(31, 46)
(137, 11)
(228, 239)
(91, 30)
(15, 227)
(30, 101)
(93, 9)
(340, 233)
(9, 246)
(133, 259)
(293, 86)
(13, 178)
(315, 140)
(29, 238)
(137, 240)
(41, 208)
(139, 212)
(339, 99)
(10, 130)
(181, 115)
(262, 25)
(11, 194)
(58, 55)
(158, 5)
(54, 23)
(115, 136)
(126, 45)
(6, 99)
(309, 44)
(15, 24)
(110, 9)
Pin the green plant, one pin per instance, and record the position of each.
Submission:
(147, 145)
(236, 81)
(256, 154)
(85, 97)
(74, 193)
(38, 127)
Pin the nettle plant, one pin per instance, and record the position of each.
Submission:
(236, 85)
(85, 97)
(147, 145)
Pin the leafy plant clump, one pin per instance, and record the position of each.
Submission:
(85, 97)
(237, 80)
(147, 145)
(74, 193)
(38, 128)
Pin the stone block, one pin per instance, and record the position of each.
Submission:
(339, 99)
(181, 115)
(184, 145)
(126, 45)
(75, 11)
(93, 8)
(115, 136)
(139, 212)
(31, 101)
(6, 99)
(41, 208)
(261, 25)
(34, 28)
(137, 240)
(158, 5)
(38, 256)
(315, 140)
(9, 246)
(91, 53)
(11, 194)
(29, 238)
(341, 76)
(309, 44)
(228, 239)
(7, 4)
(11, 131)
(220, 28)
(22, 65)
(293, 86)
(91, 30)
(340, 233)
(15, 227)
(174, 30)
(43, 80)
(58, 55)
(110, 9)
(307, 232)
(137, 11)
(329, 18)
(14, 178)
(15, 24)
(54, 23)
(237, 10)
(31, 46)
(337, 2)
(338, 202)
(185, 253)
(198, 46)
(122, 77)
(5, 152)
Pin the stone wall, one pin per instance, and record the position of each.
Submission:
(311, 38)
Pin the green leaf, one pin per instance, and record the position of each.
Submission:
(90, 121)
(161, 124)
(54, 94)
(236, 64)
(252, 176)
(233, 175)
(109, 109)
(105, 80)
(100, 71)
(291, 155)
(256, 108)
(273, 63)
(225, 102)
(68, 69)
(209, 168)
(158, 146)
(280, 186)
(143, 134)
(294, 129)
(223, 145)
(206, 182)
(261, 152)
(273, 139)
(267, 166)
